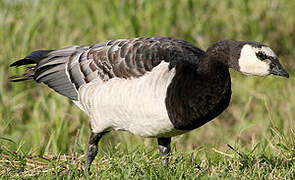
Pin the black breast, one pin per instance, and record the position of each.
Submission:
(195, 98)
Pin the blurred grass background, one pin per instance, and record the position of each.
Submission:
(36, 120)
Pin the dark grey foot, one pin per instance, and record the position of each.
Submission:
(164, 148)
(92, 148)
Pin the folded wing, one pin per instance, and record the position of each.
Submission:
(65, 70)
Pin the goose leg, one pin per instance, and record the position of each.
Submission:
(92, 147)
(164, 148)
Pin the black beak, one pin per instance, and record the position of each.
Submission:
(277, 69)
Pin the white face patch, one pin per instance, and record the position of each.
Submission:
(266, 50)
(249, 63)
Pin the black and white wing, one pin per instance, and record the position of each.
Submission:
(65, 70)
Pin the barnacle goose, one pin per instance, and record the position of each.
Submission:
(152, 87)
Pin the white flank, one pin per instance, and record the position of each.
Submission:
(250, 64)
(136, 105)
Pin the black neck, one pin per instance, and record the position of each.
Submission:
(223, 54)
(196, 96)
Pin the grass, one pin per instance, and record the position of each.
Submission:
(258, 162)
(42, 134)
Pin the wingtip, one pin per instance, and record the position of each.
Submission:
(21, 62)
(17, 80)
(13, 64)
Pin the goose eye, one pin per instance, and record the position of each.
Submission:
(261, 56)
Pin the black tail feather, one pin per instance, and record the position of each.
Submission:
(19, 80)
(33, 58)
(49, 67)
(29, 74)
(22, 62)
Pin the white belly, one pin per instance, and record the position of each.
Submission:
(136, 105)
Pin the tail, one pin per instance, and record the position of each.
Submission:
(50, 67)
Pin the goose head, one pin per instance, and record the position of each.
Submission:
(248, 57)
